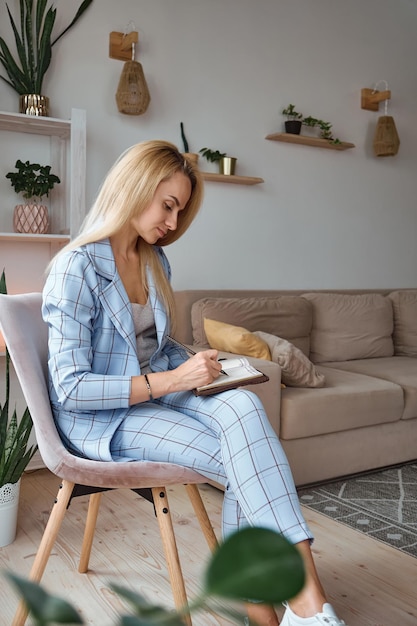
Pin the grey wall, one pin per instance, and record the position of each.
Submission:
(226, 68)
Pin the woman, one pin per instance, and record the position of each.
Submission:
(120, 390)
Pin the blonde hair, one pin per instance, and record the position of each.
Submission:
(127, 191)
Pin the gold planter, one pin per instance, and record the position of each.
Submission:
(31, 218)
(33, 104)
(227, 165)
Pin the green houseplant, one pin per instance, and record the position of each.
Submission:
(226, 164)
(325, 128)
(192, 156)
(34, 42)
(254, 562)
(15, 453)
(293, 121)
(33, 181)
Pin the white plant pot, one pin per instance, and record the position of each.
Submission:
(9, 504)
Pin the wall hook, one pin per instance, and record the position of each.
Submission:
(370, 98)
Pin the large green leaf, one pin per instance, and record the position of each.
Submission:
(256, 564)
(45, 608)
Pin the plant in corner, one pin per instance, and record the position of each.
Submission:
(33, 181)
(15, 453)
(34, 43)
(294, 120)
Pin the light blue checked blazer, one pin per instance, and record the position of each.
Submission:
(92, 345)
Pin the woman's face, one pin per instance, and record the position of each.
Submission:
(161, 215)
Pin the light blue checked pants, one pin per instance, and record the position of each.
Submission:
(228, 438)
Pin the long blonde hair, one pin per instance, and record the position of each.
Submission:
(127, 191)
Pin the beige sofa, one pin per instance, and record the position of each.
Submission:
(364, 343)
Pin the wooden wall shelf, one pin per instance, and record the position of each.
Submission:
(35, 237)
(316, 142)
(35, 125)
(237, 180)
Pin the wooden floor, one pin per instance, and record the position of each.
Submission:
(369, 583)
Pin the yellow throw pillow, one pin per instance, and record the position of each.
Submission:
(235, 339)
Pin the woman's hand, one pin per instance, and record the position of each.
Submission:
(200, 369)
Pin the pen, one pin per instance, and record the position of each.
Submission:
(187, 349)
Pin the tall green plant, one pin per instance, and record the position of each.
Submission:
(14, 434)
(33, 45)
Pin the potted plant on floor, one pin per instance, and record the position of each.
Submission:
(33, 181)
(294, 120)
(15, 454)
(227, 164)
(34, 43)
(192, 156)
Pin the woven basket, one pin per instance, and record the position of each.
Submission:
(132, 95)
(386, 140)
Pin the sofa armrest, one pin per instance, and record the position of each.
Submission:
(269, 393)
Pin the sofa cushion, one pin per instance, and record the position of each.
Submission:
(405, 322)
(289, 317)
(349, 327)
(349, 400)
(235, 339)
(297, 369)
(400, 370)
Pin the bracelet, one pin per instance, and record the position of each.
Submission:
(148, 384)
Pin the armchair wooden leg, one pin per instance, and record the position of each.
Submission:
(90, 526)
(201, 513)
(163, 516)
(48, 539)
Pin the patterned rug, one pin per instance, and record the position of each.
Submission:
(382, 504)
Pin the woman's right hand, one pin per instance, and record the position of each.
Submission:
(200, 369)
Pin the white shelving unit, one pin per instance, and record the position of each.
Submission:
(25, 256)
(68, 161)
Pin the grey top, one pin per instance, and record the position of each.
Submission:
(146, 342)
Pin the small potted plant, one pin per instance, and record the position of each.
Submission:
(33, 181)
(226, 164)
(325, 128)
(294, 120)
(15, 454)
(192, 156)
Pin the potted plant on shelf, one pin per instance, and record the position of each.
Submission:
(33, 181)
(34, 51)
(227, 164)
(294, 120)
(15, 455)
(325, 128)
(192, 156)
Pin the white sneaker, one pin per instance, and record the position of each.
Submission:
(327, 618)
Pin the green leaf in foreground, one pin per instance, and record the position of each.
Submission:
(45, 608)
(257, 564)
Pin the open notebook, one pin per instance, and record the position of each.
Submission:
(238, 372)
